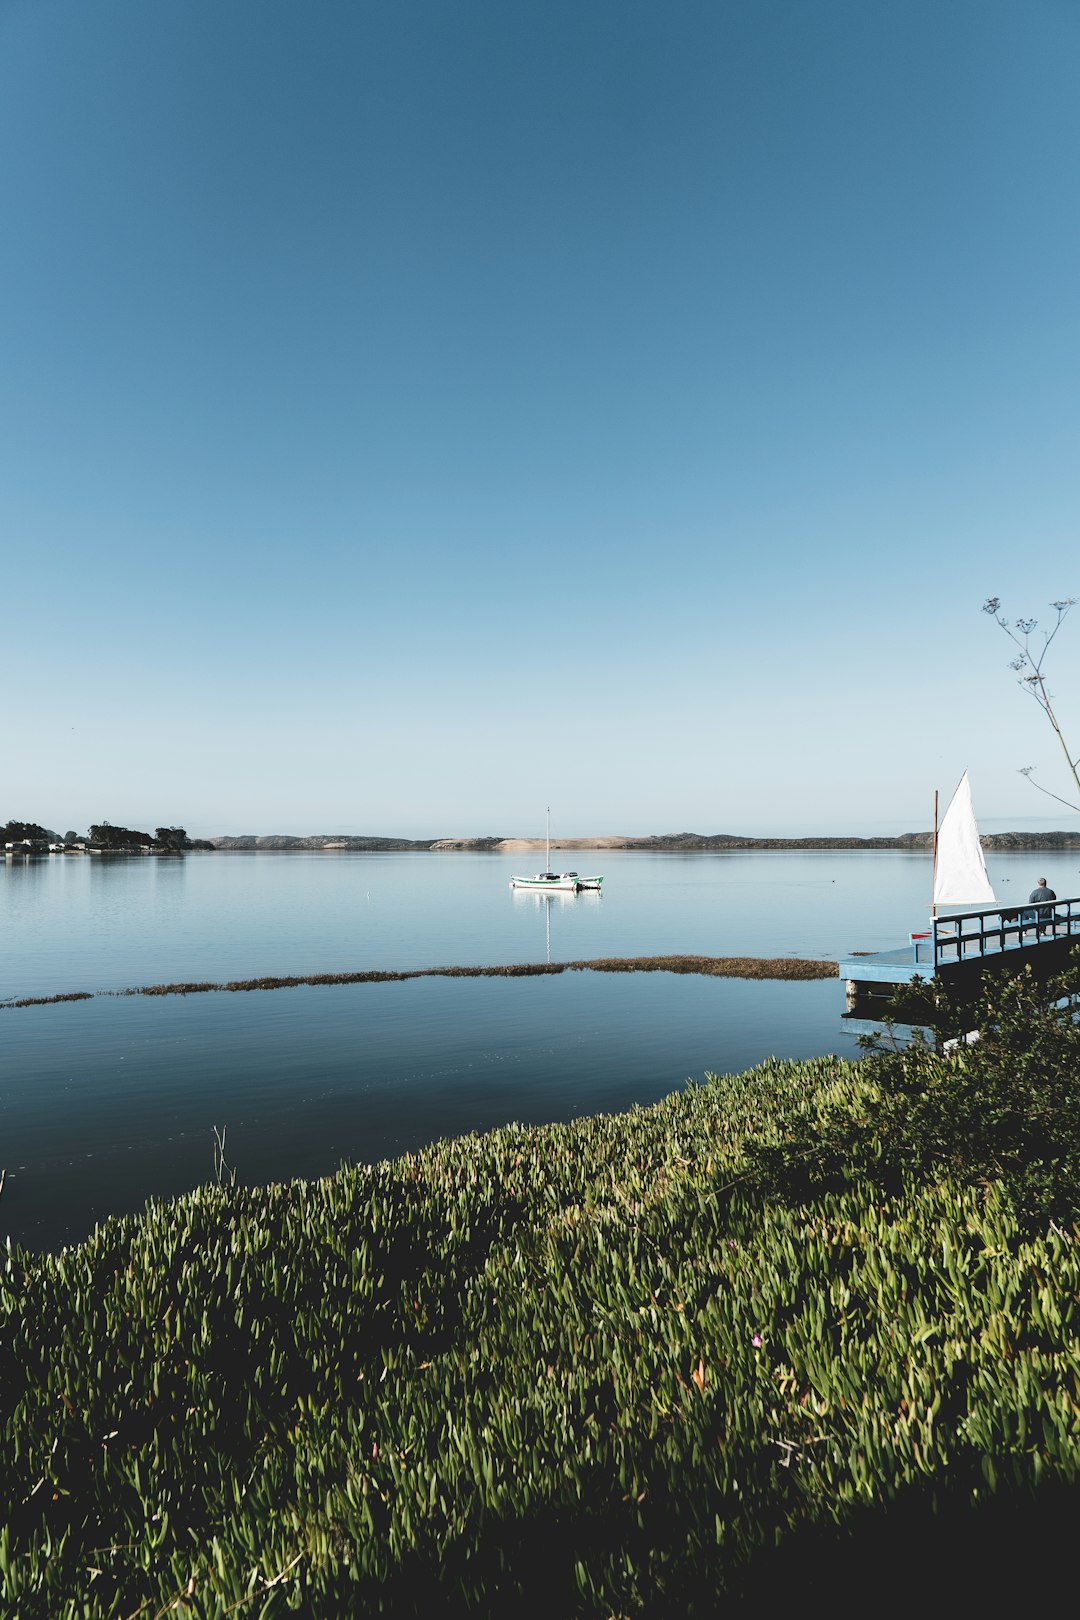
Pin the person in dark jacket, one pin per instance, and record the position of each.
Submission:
(1043, 897)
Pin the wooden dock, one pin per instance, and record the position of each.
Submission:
(959, 950)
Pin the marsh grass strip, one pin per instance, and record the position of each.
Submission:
(719, 967)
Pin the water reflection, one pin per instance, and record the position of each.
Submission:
(107, 1102)
(544, 901)
(24, 866)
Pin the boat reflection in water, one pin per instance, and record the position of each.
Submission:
(545, 900)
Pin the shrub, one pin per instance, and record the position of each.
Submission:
(1002, 1106)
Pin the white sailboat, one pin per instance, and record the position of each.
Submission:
(554, 882)
(960, 877)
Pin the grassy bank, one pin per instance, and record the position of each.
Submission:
(727, 1348)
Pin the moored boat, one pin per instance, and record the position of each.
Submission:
(548, 880)
(554, 882)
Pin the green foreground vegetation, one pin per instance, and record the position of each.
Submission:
(808, 1330)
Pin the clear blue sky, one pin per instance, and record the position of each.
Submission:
(415, 414)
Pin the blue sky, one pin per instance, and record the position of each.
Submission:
(416, 414)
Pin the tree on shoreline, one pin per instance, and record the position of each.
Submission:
(174, 838)
(1029, 666)
(110, 837)
(15, 831)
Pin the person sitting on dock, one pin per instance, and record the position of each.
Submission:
(1042, 897)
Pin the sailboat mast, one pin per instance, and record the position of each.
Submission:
(547, 841)
(933, 879)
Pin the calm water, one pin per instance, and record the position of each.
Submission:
(106, 1103)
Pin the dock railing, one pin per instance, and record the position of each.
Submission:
(968, 935)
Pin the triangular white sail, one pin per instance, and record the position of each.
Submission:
(960, 874)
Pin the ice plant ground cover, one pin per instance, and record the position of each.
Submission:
(621, 1367)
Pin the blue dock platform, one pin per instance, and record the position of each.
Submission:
(957, 948)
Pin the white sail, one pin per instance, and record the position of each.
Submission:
(960, 874)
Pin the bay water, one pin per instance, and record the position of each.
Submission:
(108, 1102)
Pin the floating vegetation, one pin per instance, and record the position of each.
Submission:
(722, 967)
(47, 1001)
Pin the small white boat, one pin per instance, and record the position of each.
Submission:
(551, 882)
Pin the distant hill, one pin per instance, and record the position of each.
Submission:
(285, 841)
(655, 842)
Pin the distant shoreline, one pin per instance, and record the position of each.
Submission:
(674, 843)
